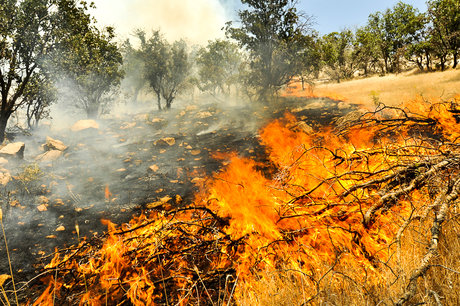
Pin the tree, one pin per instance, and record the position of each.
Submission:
(177, 72)
(166, 66)
(30, 32)
(38, 96)
(365, 51)
(218, 66)
(445, 29)
(92, 62)
(133, 66)
(274, 34)
(336, 51)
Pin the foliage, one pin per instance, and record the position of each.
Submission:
(444, 16)
(274, 34)
(166, 66)
(31, 31)
(133, 66)
(38, 96)
(336, 51)
(92, 62)
(218, 66)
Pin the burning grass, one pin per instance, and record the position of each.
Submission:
(353, 215)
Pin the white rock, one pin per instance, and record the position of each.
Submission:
(84, 125)
(49, 155)
(15, 149)
(53, 144)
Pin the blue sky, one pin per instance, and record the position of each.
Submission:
(334, 15)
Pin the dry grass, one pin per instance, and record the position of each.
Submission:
(440, 286)
(393, 89)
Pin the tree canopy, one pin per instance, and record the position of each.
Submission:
(274, 34)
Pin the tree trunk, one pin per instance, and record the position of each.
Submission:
(159, 100)
(92, 111)
(455, 60)
(428, 61)
(3, 123)
(168, 103)
(443, 63)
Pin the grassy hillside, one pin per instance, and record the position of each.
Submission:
(389, 89)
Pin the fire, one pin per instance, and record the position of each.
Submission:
(107, 193)
(324, 210)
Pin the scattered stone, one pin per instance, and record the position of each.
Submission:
(42, 207)
(203, 115)
(60, 229)
(15, 149)
(49, 155)
(128, 125)
(53, 144)
(154, 168)
(51, 237)
(195, 152)
(84, 125)
(170, 141)
(5, 177)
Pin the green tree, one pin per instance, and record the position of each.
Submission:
(336, 51)
(218, 66)
(365, 51)
(445, 29)
(166, 67)
(38, 96)
(133, 66)
(274, 34)
(92, 62)
(27, 34)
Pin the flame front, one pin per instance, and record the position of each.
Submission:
(323, 210)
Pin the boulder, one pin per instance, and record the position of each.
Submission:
(49, 155)
(81, 125)
(53, 144)
(15, 149)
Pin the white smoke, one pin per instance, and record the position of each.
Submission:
(194, 20)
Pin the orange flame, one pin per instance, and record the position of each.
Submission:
(107, 193)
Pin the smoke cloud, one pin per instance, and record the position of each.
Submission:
(195, 20)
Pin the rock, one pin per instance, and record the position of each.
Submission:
(3, 161)
(53, 144)
(165, 141)
(15, 149)
(81, 125)
(49, 155)
(154, 168)
(5, 177)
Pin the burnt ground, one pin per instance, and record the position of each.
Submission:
(45, 200)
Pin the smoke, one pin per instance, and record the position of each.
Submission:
(195, 20)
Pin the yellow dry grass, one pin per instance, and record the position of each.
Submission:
(394, 89)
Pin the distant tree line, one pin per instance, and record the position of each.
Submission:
(45, 43)
(393, 38)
